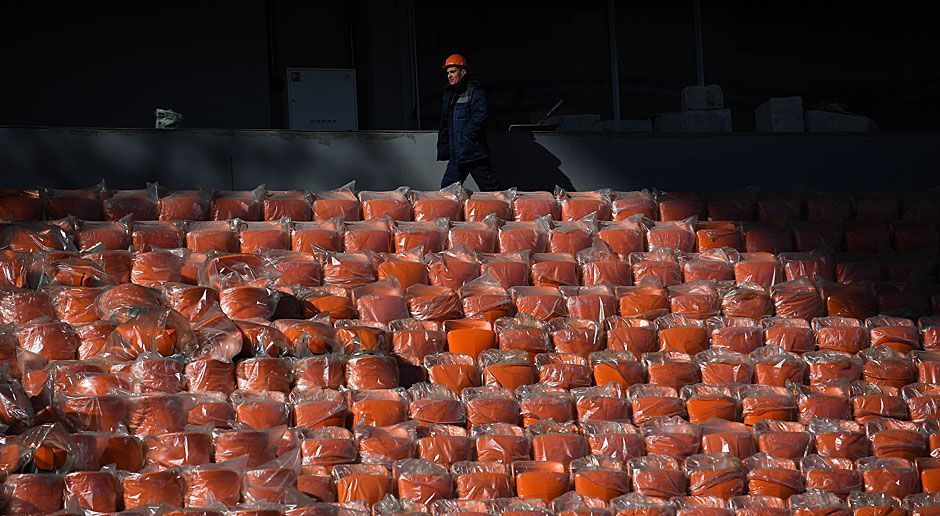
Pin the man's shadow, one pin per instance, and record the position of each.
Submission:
(520, 161)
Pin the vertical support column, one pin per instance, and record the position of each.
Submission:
(614, 58)
(699, 56)
(414, 64)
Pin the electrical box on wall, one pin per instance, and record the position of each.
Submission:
(322, 99)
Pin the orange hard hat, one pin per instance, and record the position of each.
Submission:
(455, 60)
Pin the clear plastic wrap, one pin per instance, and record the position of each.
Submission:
(623, 236)
(408, 268)
(540, 302)
(393, 204)
(763, 403)
(676, 236)
(261, 410)
(141, 204)
(554, 270)
(255, 237)
(487, 405)
(603, 403)
(696, 299)
(774, 366)
(681, 334)
(720, 475)
(383, 445)
(557, 442)
(433, 303)
(770, 476)
(671, 436)
(430, 235)
(501, 443)
(328, 301)
(372, 372)
(892, 476)
(542, 402)
(309, 237)
(637, 336)
(92, 490)
(184, 205)
(887, 368)
(341, 202)
(477, 236)
(528, 206)
(15, 269)
(723, 367)
(235, 270)
(853, 301)
(745, 300)
(628, 204)
(506, 368)
(601, 266)
(82, 204)
(660, 266)
(102, 235)
(712, 406)
(793, 335)
(767, 238)
(452, 370)
(812, 265)
(32, 493)
(479, 480)
(243, 205)
(654, 401)
(539, 480)
(152, 489)
(579, 337)
(273, 482)
(727, 437)
(573, 236)
(797, 299)
(577, 205)
(591, 303)
(349, 270)
(783, 439)
(373, 235)
(738, 334)
(152, 235)
(524, 236)
(260, 338)
(293, 269)
(563, 370)
(714, 264)
(657, 476)
(444, 444)
(875, 504)
(482, 204)
(452, 268)
(382, 301)
(289, 204)
(18, 306)
(840, 334)
(679, 205)
(618, 367)
(760, 269)
(422, 481)
(718, 234)
(34, 237)
(671, 369)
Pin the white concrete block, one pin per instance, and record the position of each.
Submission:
(704, 121)
(833, 122)
(579, 123)
(780, 114)
(702, 97)
(627, 126)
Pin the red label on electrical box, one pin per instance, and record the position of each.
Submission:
(295, 76)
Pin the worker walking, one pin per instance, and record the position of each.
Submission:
(461, 139)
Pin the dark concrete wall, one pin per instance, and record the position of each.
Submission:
(70, 158)
(91, 64)
(221, 63)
